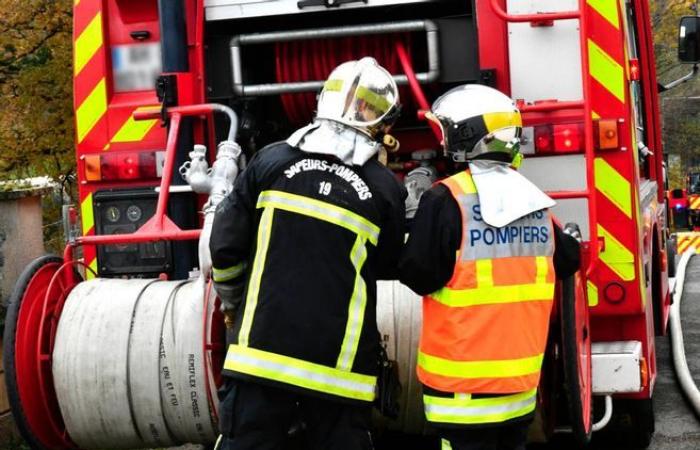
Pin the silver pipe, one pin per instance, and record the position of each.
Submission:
(233, 119)
(240, 89)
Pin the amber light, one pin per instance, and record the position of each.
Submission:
(608, 134)
(93, 171)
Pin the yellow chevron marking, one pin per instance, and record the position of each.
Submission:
(606, 71)
(607, 9)
(93, 266)
(75, 2)
(87, 216)
(91, 110)
(592, 294)
(613, 186)
(694, 202)
(88, 43)
(134, 130)
(616, 256)
(595, 115)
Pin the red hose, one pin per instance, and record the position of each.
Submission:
(415, 86)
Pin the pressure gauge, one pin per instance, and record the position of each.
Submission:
(113, 214)
(134, 213)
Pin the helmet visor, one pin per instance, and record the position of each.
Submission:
(506, 140)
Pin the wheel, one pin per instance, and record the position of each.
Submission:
(28, 341)
(671, 254)
(632, 424)
(576, 353)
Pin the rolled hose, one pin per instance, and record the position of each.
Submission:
(129, 364)
(680, 362)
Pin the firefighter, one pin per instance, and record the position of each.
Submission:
(483, 251)
(297, 248)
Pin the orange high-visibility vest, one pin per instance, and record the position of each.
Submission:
(486, 330)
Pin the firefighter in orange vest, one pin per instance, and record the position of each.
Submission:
(485, 252)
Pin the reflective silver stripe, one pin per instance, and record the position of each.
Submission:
(251, 301)
(486, 410)
(300, 373)
(228, 274)
(356, 309)
(322, 211)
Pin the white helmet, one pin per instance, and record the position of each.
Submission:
(477, 120)
(360, 94)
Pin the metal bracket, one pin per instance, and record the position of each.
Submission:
(241, 89)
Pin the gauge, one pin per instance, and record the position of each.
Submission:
(113, 214)
(134, 213)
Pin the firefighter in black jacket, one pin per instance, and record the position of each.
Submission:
(297, 248)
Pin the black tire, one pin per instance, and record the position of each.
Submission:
(571, 361)
(671, 256)
(8, 358)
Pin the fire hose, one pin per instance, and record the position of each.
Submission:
(680, 362)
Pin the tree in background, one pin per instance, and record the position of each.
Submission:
(681, 105)
(36, 117)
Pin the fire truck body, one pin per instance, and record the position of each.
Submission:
(582, 71)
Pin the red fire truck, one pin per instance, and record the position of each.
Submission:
(150, 76)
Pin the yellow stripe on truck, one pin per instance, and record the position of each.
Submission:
(87, 216)
(616, 256)
(607, 9)
(606, 71)
(613, 186)
(134, 130)
(88, 43)
(91, 110)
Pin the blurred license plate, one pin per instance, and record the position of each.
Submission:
(136, 67)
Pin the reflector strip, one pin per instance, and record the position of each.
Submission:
(613, 186)
(694, 202)
(356, 308)
(89, 275)
(251, 301)
(228, 274)
(300, 373)
(87, 217)
(473, 411)
(592, 294)
(506, 368)
(91, 110)
(87, 44)
(134, 130)
(616, 256)
(686, 240)
(607, 9)
(456, 298)
(606, 71)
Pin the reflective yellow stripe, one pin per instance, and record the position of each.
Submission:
(607, 9)
(473, 411)
(322, 211)
(134, 130)
(484, 273)
(606, 70)
(89, 275)
(480, 369)
(497, 121)
(542, 269)
(592, 294)
(494, 295)
(616, 256)
(356, 308)
(87, 44)
(465, 182)
(91, 110)
(300, 373)
(251, 301)
(445, 445)
(613, 186)
(87, 216)
(379, 103)
(229, 273)
(333, 85)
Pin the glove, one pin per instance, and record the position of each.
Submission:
(231, 297)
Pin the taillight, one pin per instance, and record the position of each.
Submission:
(560, 138)
(123, 166)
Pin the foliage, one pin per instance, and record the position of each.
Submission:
(36, 117)
(679, 107)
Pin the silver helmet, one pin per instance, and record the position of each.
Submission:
(477, 120)
(360, 94)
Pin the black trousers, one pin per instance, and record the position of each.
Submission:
(257, 417)
(509, 436)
